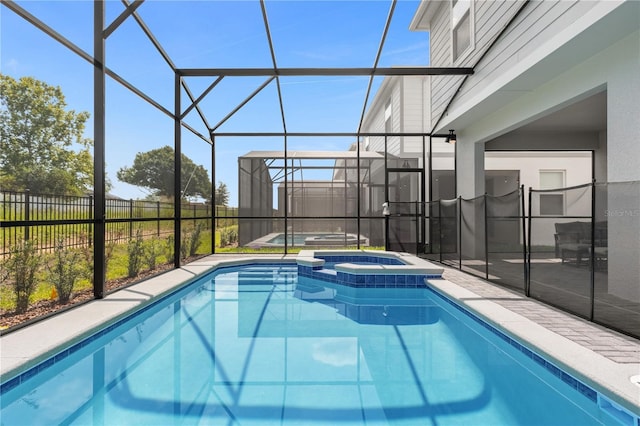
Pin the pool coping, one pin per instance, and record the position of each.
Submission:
(24, 348)
(587, 366)
(410, 264)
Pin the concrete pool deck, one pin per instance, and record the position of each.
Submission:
(595, 355)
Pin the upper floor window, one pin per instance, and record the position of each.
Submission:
(461, 27)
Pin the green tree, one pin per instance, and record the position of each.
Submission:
(42, 148)
(154, 170)
(222, 194)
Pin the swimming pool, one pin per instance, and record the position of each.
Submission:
(261, 345)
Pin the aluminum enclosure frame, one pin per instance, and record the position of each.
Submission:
(103, 30)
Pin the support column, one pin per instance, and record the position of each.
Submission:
(177, 182)
(99, 216)
(470, 183)
(623, 165)
(470, 168)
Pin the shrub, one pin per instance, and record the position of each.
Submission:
(195, 239)
(169, 248)
(65, 270)
(184, 245)
(21, 268)
(152, 252)
(135, 251)
(228, 236)
(109, 248)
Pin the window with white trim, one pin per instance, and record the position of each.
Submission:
(461, 27)
(552, 203)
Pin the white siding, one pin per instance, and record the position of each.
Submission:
(393, 143)
(490, 17)
(412, 113)
(409, 96)
(538, 23)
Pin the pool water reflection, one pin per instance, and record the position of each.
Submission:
(260, 345)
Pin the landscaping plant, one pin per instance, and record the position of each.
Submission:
(228, 236)
(169, 248)
(152, 252)
(135, 252)
(195, 238)
(66, 269)
(20, 268)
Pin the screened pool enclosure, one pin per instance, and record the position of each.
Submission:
(328, 181)
(270, 99)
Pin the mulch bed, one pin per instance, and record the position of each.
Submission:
(9, 320)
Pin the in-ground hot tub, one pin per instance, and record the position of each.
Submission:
(367, 268)
(310, 239)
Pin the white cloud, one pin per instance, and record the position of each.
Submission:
(422, 46)
(11, 65)
(338, 352)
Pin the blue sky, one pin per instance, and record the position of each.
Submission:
(215, 34)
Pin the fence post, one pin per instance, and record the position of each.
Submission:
(524, 238)
(417, 214)
(130, 218)
(527, 287)
(440, 228)
(459, 232)
(90, 216)
(158, 216)
(27, 214)
(486, 238)
(214, 226)
(592, 257)
(210, 226)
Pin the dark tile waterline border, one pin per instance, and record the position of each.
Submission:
(58, 357)
(365, 280)
(601, 401)
(369, 279)
(585, 390)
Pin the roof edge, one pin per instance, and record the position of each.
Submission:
(422, 18)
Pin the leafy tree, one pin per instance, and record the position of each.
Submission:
(153, 170)
(37, 137)
(222, 194)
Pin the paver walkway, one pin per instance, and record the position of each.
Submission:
(615, 346)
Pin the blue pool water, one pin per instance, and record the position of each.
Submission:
(260, 345)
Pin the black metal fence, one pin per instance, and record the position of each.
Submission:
(47, 219)
(575, 248)
(554, 245)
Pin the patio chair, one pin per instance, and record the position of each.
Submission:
(573, 242)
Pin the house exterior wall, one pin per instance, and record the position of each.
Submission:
(576, 167)
(538, 25)
(516, 69)
(408, 112)
(553, 54)
(489, 18)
